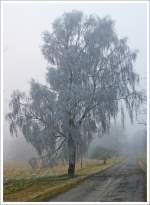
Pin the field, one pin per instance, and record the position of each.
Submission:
(23, 184)
(143, 165)
(143, 162)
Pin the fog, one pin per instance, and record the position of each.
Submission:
(23, 24)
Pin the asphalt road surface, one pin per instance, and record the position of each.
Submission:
(121, 183)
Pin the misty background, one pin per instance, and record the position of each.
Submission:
(23, 24)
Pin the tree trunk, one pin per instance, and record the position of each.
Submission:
(81, 162)
(104, 161)
(81, 158)
(72, 156)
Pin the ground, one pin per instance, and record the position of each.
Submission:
(122, 183)
(40, 185)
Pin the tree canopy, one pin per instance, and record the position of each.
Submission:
(89, 79)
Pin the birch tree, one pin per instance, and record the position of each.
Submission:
(89, 77)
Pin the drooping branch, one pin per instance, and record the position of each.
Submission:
(90, 70)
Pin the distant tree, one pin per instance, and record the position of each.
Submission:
(142, 112)
(102, 153)
(90, 71)
(33, 163)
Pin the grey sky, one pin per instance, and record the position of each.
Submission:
(24, 23)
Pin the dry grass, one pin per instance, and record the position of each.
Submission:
(16, 169)
(142, 161)
(25, 185)
(21, 169)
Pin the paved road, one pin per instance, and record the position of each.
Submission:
(121, 183)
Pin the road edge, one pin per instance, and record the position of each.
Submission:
(49, 194)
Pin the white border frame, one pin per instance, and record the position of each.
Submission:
(148, 87)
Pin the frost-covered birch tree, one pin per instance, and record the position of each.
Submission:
(89, 78)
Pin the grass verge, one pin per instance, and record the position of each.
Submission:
(143, 165)
(45, 187)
